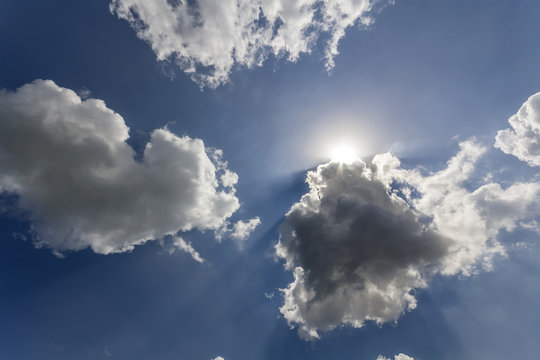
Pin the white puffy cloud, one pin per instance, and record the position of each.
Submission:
(403, 357)
(206, 38)
(218, 358)
(472, 218)
(396, 357)
(365, 236)
(523, 139)
(68, 161)
(238, 231)
(243, 228)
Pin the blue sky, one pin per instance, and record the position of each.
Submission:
(423, 77)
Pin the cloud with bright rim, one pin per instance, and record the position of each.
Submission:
(366, 235)
(68, 162)
(207, 38)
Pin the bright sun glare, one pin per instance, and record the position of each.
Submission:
(344, 154)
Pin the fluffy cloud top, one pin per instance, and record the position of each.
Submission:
(365, 236)
(206, 38)
(523, 139)
(238, 231)
(243, 228)
(69, 163)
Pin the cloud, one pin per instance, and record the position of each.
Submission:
(523, 139)
(68, 161)
(356, 250)
(218, 358)
(396, 357)
(242, 229)
(238, 231)
(206, 38)
(403, 357)
(180, 244)
(472, 218)
(367, 235)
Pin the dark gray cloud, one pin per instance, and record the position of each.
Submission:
(361, 250)
(69, 163)
(365, 236)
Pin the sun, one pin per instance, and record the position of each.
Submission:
(344, 153)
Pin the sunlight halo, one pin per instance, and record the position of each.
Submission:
(343, 153)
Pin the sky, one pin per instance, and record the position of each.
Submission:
(202, 179)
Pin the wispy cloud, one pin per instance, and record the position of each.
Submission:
(238, 231)
(180, 244)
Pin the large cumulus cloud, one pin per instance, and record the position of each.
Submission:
(206, 38)
(523, 139)
(357, 250)
(68, 161)
(366, 235)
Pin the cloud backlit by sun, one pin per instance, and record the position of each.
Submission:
(359, 243)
